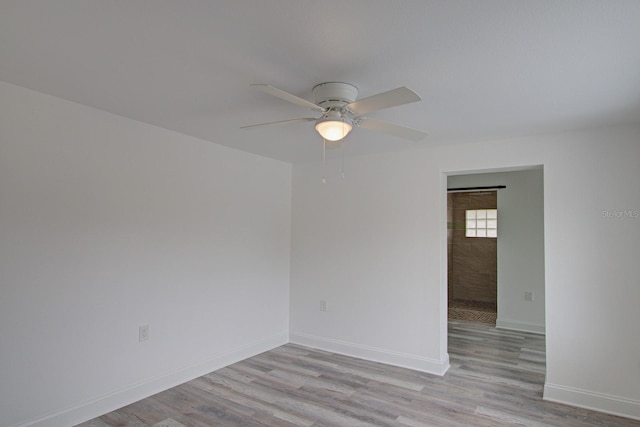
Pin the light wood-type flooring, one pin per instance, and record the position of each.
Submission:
(496, 379)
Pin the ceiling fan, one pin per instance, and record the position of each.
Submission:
(340, 112)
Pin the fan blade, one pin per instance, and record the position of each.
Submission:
(392, 129)
(399, 96)
(287, 96)
(281, 122)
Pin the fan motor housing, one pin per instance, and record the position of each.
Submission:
(334, 95)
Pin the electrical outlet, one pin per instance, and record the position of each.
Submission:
(323, 305)
(528, 296)
(143, 333)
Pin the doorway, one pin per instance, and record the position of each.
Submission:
(472, 254)
(519, 286)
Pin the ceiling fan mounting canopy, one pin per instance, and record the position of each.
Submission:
(333, 95)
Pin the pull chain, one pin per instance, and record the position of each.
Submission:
(324, 156)
(342, 155)
(342, 149)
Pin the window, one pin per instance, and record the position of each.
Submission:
(482, 223)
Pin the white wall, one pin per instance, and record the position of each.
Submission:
(520, 245)
(362, 244)
(374, 247)
(107, 224)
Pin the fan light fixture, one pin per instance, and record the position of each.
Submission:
(341, 112)
(332, 127)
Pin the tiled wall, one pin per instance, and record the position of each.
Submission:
(473, 265)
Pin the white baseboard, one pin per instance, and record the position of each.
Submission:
(117, 399)
(601, 402)
(404, 360)
(516, 325)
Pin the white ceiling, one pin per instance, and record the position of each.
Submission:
(485, 69)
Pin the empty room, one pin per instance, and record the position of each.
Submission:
(238, 213)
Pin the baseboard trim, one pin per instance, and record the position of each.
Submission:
(403, 360)
(601, 402)
(516, 325)
(117, 399)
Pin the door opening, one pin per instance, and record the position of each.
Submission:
(472, 255)
(516, 253)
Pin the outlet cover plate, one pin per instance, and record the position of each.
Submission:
(143, 333)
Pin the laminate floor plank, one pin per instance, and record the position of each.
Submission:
(496, 379)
